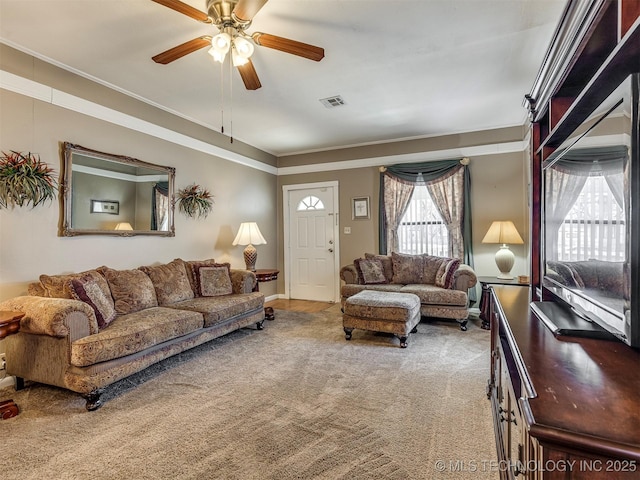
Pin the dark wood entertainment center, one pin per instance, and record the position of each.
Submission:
(568, 407)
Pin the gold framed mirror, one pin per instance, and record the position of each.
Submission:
(106, 194)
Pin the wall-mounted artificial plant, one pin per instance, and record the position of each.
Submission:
(195, 201)
(25, 179)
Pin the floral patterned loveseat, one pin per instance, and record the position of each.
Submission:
(88, 330)
(441, 283)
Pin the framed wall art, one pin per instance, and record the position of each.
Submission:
(105, 206)
(360, 208)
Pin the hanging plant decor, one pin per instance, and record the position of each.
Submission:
(195, 201)
(24, 179)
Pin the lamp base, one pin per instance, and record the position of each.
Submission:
(504, 261)
(250, 257)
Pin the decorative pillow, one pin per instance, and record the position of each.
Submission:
(214, 280)
(387, 265)
(407, 268)
(446, 272)
(132, 290)
(190, 267)
(431, 266)
(370, 271)
(87, 290)
(57, 286)
(170, 281)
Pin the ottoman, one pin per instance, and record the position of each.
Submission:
(389, 312)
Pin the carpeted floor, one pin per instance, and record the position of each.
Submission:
(294, 401)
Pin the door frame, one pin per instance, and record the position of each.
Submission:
(286, 190)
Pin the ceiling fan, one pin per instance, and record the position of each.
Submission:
(232, 18)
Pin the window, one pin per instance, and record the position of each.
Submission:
(422, 229)
(594, 226)
(310, 203)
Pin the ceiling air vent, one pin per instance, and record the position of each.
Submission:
(331, 102)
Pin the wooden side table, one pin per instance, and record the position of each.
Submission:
(9, 323)
(486, 282)
(266, 275)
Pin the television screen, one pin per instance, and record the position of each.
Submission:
(587, 217)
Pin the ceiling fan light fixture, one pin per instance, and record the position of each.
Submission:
(217, 55)
(237, 59)
(221, 42)
(243, 47)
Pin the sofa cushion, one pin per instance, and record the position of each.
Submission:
(132, 290)
(132, 333)
(387, 264)
(408, 268)
(214, 280)
(170, 282)
(370, 271)
(446, 272)
(87, 290)
(432, 295)
(222, 308)
(57, 286)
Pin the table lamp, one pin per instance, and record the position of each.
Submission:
(124, 226)
(249, 235)
(503, 232)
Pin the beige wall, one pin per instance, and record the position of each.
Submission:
(28, 237)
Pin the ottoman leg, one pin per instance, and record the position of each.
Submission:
(347, 333)
(403, 341)
(414, 329)
(463, 325)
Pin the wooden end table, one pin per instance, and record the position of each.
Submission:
(9, 323)
(266, 275)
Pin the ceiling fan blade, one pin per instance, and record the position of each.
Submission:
(249, 76)
(181, 50)
(289, 46)
(246, 9)
(185, 9)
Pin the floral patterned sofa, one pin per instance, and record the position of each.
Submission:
(88, 330)
(441, 283)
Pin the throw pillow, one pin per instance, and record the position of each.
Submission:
(57, 286)
(191, 267)
(132, 290)
(431, 266)
(170, 281)
(370, 271)
(87, 290)
(214, 280)
(407, 268)
(387, 264)
(446, 272)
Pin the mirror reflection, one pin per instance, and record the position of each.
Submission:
(115, 195)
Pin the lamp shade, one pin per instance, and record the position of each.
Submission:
(503, 232)
(124, 226)
(249, 234)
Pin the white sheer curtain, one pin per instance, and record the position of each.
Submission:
(448, 196)
(397, 195)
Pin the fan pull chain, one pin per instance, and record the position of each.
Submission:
(231, 97)
(221, 98)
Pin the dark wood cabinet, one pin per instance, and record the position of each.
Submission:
(563, 407)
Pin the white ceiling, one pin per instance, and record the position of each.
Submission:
(405, 68)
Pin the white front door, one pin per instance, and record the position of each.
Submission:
(312, 233)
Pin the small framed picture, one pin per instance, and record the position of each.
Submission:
(360, 208)
(105, 206)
